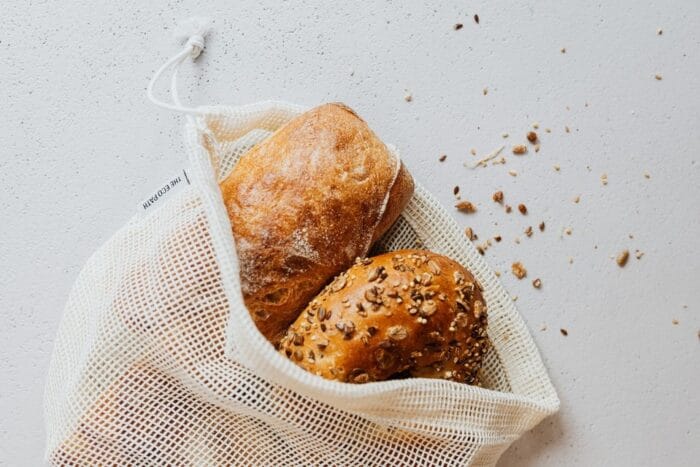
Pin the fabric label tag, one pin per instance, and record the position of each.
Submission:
(175, 184)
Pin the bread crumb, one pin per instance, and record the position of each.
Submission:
(515, 298)
(659, 32)
(508, 209)
(564, 332)
(469, 233)
(537, 147)
(512, 173)
(548, 130)
(604, 179)
(536, 125)
(647, 175)
(519, 149)
(571, 260)
(577, 198)
(458, 26)
(638, 254)
(528, 231)
(466, 207)
(622, 258)
(517, 240)
(567, 129)
(658, 77)
(563, 50)
(473, 151)
(442, 158)
(522, 208)
(518, 270)
(504, 135)
(408, 97)
(568, 231)
(498, 197)
(531, 137)
(485, 91)
(537, 283)
(675, 322)
(498, 238)
(541, 226)
(556, 167)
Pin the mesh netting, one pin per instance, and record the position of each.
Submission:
(158, 362)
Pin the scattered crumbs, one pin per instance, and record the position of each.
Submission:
(473, 151)
(532, 137)
(548, 130)
(564, 332)
(541, 226)
(484, 161)
(442, 158)
(571, 260)
(675, 322)
(659, 32)
(504, 135)
(498, 197)
(557, 168)
(568, 231)
(537, 283)
(458, 26)
(638, 254)
(567, 129)
(528, 231)
(500, 161)
(498, 238)
(658, 77)
(508, 209)
(408, 97)
(512, 173)
(622, 258)
(647, 175)
(485, 91)
(455, 190)
(604, 179)
(519, 149)
(577, 199)
(563, 50)
(522, 208)
(476, 19)
(518, 270)
(469, 233)
(543, 327)
(466, 207)
(536, 125)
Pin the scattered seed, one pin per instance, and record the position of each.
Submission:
(537, 283)
(564, 332)
(518, 270)
(508, 209)
(519, 149)
(556, 167)
(577, 199)
(458, 26)
(537, 147)
(504, 135)
(658, 77)
(567, 129)
(568, 231)
(476, 19)
(408, 97)
(571, 260)
(541, 226)
(532, 137)
(563, 50)
(659, 32)
(466, 207)
(674, 322)
(512, 173)
(397, 333)
(548, 130)
(639, 254)
(442, 158)
(469, 233)
(498, 197)
(339, 283)
(647, 175)
(455, 190)
(498, 238)
(522, 208)
(473, 151)
(622, 258)
(485, 91)
(528, 231)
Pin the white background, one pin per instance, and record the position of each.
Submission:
(80, 146)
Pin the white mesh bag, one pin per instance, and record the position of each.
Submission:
(157, 361)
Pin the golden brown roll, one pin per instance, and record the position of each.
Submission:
(304, 204)
(410, 312)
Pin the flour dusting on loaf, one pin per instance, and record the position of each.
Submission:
(304, 203)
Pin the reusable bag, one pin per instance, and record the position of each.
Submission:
(157, 361)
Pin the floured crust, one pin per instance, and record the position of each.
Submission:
(303, 204)
(409, 311)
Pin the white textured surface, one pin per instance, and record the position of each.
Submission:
(80, 146)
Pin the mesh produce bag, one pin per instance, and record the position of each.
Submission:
(157, 360)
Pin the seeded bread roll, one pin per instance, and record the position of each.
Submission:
(408, 311)
(304, 204)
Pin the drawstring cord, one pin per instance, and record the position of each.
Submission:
(192, 30)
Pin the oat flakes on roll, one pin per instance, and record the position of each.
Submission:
(405, 312)
(304, 204)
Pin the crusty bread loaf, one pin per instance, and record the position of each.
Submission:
(304, 204)
(406, 311)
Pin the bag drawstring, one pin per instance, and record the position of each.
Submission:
(193, 31)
